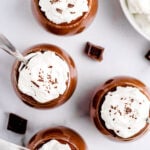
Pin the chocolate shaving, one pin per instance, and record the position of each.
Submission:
(120, 112)
(56, 80)
(35, 84)
(49, 77)
(111, 107)
(59, 10)
(132, 100)
(54, 1)
(128, 110)
(53, 82)
(115, 108)
(70, 5)
(50, 66)
(133, 116)
(72, 12)
(40, 80)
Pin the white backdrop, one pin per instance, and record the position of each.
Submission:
(123, 55)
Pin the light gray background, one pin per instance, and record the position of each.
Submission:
(124, 55)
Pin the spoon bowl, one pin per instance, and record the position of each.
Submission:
(8, 47)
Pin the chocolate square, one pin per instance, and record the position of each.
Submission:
(147, 56)
(17, 124)
(94, 51)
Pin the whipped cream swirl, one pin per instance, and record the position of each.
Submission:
(63, 11)
(140, 9)
(45, 76)
(54, 145)
(125, 111)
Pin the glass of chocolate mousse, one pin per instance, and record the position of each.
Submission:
(47, 79)
(65, 17)
(60, 138)
(120, 108)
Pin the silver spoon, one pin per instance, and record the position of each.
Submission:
(5, 145)
(6, 45)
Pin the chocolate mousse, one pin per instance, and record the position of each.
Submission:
(60, 137)
(65, 17)
(47, 79)
(120, 108)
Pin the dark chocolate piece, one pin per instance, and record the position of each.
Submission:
(17, 124)
(147, 56)
(94, 51)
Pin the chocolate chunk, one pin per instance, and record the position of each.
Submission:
(17, 124)
(94, 51)
(147, 56)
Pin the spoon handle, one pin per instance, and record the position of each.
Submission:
(6, 45)
(5, 145)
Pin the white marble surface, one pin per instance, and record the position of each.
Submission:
(124, 55)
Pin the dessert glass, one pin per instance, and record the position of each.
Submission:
(132, 20)
(74, 27)
(62, 134)
(99, 98)
(70, 84)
